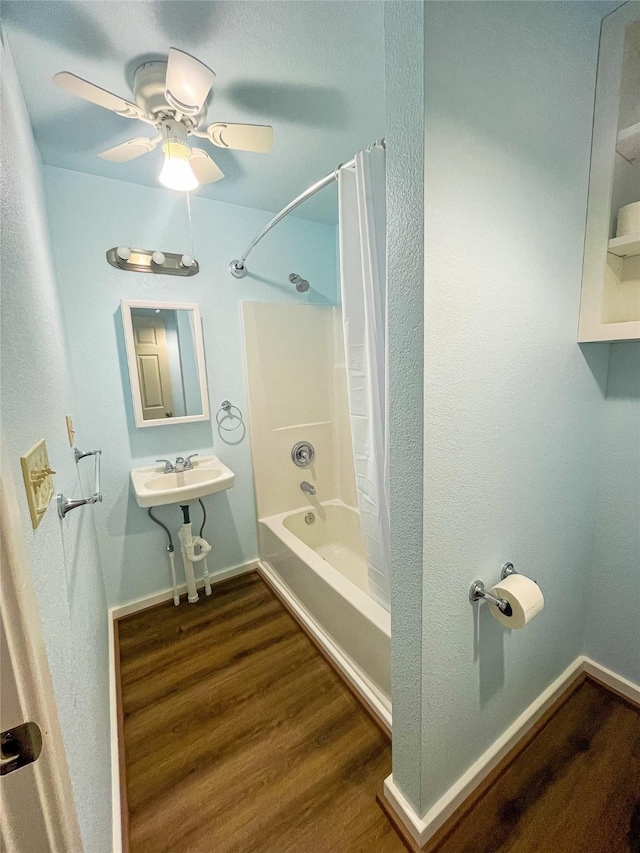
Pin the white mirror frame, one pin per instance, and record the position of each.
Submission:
(125, 306)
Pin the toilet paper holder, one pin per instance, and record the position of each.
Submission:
(477, 590)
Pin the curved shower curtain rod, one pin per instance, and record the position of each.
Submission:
(238, 268)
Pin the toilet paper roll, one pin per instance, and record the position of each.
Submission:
(525, 601)
(628, 220)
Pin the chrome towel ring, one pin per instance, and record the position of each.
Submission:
(225, 412)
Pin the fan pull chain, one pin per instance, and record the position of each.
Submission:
(188, 195)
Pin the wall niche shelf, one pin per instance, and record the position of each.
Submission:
(628, 144)
(625, 247)
(610, 298)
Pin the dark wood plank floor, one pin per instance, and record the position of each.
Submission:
(574, 789)
(240, 737)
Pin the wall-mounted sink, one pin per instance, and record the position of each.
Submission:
(154, 488)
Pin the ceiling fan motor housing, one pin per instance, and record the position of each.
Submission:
(148, 91)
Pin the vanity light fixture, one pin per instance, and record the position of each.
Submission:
(148, 260)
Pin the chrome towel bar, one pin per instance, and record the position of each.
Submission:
(65, 505)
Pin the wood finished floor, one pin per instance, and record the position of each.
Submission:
(574, 789)
(239, 736)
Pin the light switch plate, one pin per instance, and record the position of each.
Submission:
(38, 481)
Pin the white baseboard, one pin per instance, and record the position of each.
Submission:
(616, 682)
(423, 828)
(116, 817)
(347, 667)
(167, 594)
(117, 613)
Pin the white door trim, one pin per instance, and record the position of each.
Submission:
(21, 618)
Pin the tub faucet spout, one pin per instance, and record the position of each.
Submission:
(308, 488)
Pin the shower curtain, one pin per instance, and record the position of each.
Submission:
(363, 278)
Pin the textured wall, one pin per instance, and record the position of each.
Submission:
(403, 24)
(513, 407)
(613, 620)
(36, 395)
(90, 214)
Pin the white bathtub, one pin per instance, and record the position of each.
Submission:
(320, 570)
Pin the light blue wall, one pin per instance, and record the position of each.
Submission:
(403, 31)
(513, 406)
(90, 214)
(36, 395)
(613, 612)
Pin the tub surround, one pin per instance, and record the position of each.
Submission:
(297, 392)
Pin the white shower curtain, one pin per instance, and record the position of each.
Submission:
(363, 276)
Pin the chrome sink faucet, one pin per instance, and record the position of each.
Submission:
(181, 464)
(308, 488)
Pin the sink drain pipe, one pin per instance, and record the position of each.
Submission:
(189, 543)
(207, 582)
(170, 552)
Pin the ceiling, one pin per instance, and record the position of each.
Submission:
(313, 69)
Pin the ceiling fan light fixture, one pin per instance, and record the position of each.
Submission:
(177, 173)
(172, 97)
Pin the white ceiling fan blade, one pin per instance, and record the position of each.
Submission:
(205, 170)
(188, 82)
(129, 150)
(90, 92)
(244, 137)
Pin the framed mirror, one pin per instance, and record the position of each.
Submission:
(165, 355)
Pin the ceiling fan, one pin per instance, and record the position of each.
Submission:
(171, 96)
